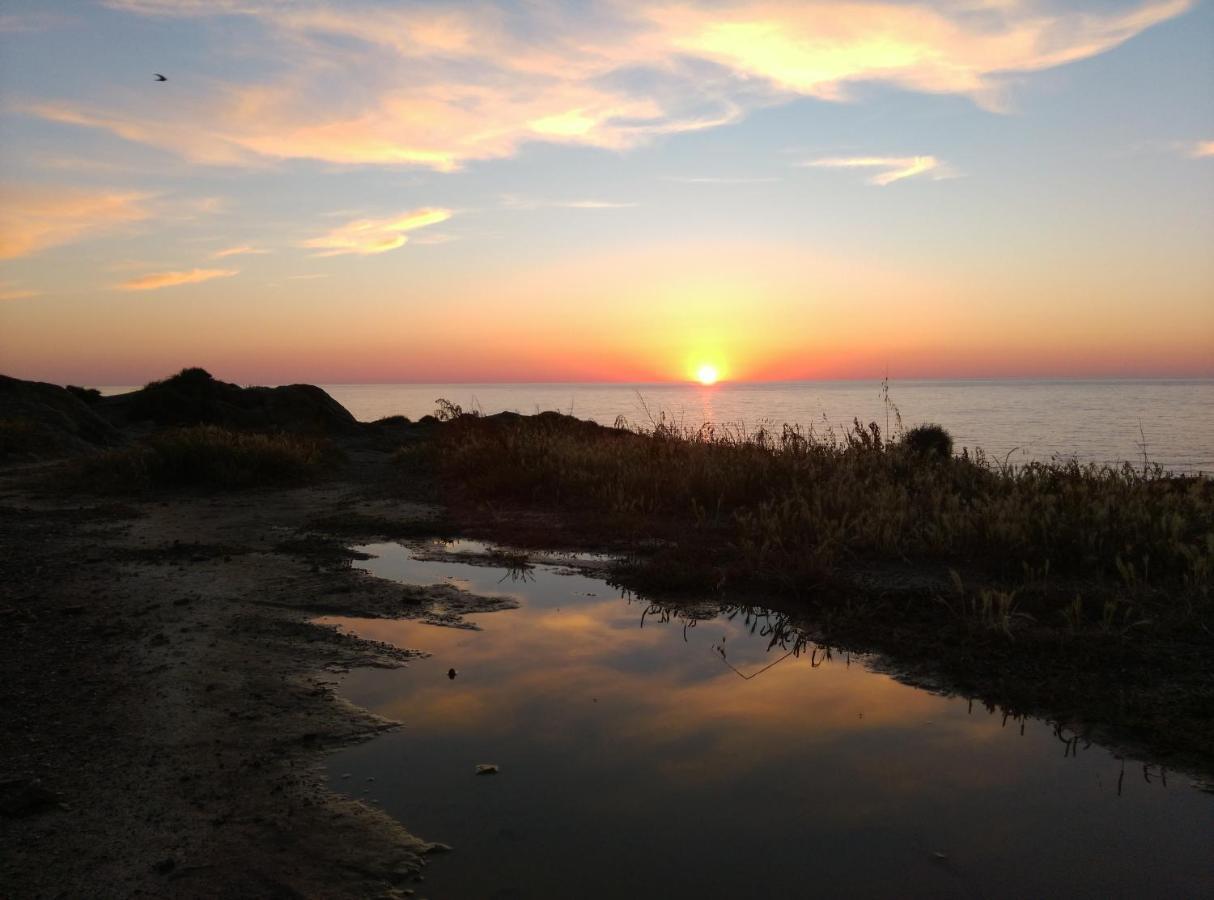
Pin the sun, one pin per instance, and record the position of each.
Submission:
(707, 374)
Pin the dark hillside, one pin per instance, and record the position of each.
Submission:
(194, 397)
(39, 419)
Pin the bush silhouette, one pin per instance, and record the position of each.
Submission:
(88, 395)
(929, 440)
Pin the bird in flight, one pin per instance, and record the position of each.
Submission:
(160, 77)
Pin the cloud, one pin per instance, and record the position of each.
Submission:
(35, 217)
(242, 250)
(154, 281)
(519, 201)
(19, 23)
(434, 238)
(437, 87)
(707, 179)
(1198, 149)
(825, 49)
(8, 292)
(896, 167)
(367, 236)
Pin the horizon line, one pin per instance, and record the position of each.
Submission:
(723, 383)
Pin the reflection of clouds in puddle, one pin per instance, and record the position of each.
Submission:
(567, 673)
(660, 682)
(645, 736)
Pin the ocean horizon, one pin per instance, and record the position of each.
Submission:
(1106, 420)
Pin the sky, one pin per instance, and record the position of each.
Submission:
(581, 191)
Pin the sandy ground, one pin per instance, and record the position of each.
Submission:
(168, 705)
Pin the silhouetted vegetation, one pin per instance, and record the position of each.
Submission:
(930, 441)
(87, 395)
(1060, 546)
(211, 457)
(194, 397)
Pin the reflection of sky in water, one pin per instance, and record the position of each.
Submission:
(635, 762)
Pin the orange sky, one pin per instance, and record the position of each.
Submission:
(393, 192)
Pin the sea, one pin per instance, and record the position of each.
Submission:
(1114, 421)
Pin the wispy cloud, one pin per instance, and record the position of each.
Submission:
(10, 292)
(895, 167)
(368, 236)
(242, 250)
(1198, 149)
(154, 281)
(18, 23)
(709, 179)
(433, 238)
(519, 201)
(35, 217)
(437, 87)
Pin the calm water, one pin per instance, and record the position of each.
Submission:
(1089, 420)
(650, 758)
(1102, 421)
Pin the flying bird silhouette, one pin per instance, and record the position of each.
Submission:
(160, 77)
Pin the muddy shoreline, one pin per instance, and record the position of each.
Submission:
(169, 704)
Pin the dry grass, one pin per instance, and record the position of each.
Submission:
(208, 456)
(1061, 542)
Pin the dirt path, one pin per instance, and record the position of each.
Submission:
(166, 706)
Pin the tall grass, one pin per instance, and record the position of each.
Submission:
(209, 456)
(792, 509)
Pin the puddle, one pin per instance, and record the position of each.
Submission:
(645, 755)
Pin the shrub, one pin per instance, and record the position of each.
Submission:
(929, 441)
(88, 395)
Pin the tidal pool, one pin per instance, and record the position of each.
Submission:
(647, 755)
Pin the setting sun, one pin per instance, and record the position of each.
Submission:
(707, 374)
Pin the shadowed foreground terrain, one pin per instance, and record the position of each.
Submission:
(166, 695)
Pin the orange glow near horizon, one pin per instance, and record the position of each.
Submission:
(508, 193)
(642, 314)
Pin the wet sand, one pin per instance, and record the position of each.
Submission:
(168, 703)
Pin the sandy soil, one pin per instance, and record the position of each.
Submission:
(167, 709)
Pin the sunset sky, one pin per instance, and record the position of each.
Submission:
(579, 191)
